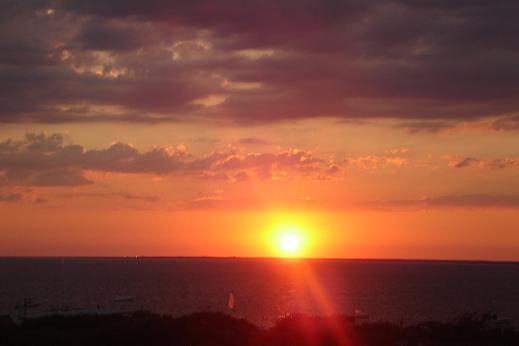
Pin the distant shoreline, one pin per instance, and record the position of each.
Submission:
(287, 259)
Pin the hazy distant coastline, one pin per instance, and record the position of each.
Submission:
(267, 258)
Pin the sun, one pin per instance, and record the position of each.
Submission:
(290, 240)
(290, 243)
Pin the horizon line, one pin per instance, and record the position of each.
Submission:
(353, 259)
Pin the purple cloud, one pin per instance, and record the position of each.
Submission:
(48, 160)
(76, 60)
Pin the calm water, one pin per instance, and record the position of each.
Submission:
(265, 289)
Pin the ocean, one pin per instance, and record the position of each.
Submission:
(263, 290)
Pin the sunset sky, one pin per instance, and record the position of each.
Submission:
(373, 129)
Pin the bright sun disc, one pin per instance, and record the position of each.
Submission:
(290, 238)
(290, 243)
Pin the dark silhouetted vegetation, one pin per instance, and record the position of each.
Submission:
(143, 328)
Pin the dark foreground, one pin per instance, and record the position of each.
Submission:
(144, 328)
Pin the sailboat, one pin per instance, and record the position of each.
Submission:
(231, 302)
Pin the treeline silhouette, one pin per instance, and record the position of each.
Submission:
(209, 328)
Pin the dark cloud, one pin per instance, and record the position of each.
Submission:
(160, 60)
(426, 126)
(112, 36)
(60, 177)
(484, 163)
(40, 200)
(463, 162)
(252, 141)
(10, 197)
(45, 177)
(506, 123)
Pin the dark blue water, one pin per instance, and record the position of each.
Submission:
(265, 289)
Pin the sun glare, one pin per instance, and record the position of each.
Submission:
(290, 240)
(290, 243)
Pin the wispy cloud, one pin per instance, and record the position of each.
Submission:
(10, 197)
(252, 141)
(484, 163)
(448, 201)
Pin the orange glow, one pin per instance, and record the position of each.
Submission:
(290, 238)
(290, 243)
(406, 235)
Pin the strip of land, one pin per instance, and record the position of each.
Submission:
(209, 328)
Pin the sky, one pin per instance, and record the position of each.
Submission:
(369, 129)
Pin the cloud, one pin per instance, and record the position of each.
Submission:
(368, 162)
(119, 36)
(484, 163)
(218, 176)
(426, 126)
(144, 198)
(219, 202)
(506, 123)
(10, 197)
(60, 177)
(480, 201)
(122, 195)
(215, 202)
(154, 61)
(461, 201)
(252, 141)
(333, 168)
(297, 159)
(40, 200)
(463, 162)
(241, 177)
(51, 160)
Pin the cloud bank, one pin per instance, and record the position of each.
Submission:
(263, 61)
(40, 159)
